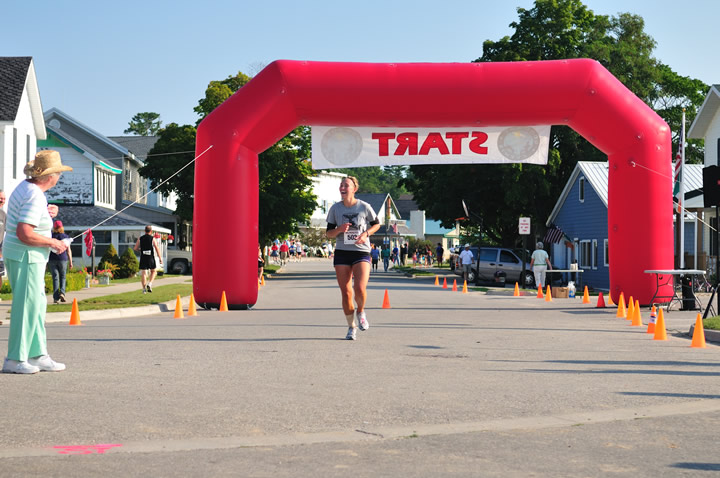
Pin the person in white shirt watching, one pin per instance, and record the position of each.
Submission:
(466, 259)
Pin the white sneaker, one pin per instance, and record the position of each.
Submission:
(362, 321)
(16, 366)
(351, 335)
(46, 364)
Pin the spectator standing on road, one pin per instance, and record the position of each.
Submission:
(439, 252)
(59, 264)
(26, 251)
(540, 263)
(351, 222)
(274, 254)
(147, 245)
(466, 259)
(395, 254)
(284, 250)
(403, 253)
(374, 255)
(385, 256)
(261, 264)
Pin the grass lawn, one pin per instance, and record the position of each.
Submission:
(712, 323)
(160, 293)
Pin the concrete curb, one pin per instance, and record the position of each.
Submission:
(710, 335)
(163, 307)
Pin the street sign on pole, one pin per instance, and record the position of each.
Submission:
(524, 225)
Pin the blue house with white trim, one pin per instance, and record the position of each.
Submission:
(581, 213)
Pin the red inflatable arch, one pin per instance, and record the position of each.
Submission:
(577, 93)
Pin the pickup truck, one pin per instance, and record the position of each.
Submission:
(178, 261)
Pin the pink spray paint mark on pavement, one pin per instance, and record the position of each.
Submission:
(85, 449)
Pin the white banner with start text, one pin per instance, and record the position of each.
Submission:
(346, 147)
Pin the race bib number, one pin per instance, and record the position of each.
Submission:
(147, 253)
(351, 236)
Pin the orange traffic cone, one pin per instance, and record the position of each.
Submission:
(464, 291)
(386, 300)
(698, 340)
(75, 314)
(454, 286)
(517, 291)
(609, 301)
(437, 280)
(178, 309)
(548, 295)
(192, 310)
(540, 294)
(637, 318)
(621, 312)
(660, 332)
(586, 296)
(262, 279)
(653, 319)
(223, 303)
(630, 309)
(600, 302)
(444, 282)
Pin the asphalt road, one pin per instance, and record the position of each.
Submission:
(442, 384)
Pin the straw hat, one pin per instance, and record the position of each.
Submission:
(46, 162)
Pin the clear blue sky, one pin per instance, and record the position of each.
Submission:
(102, 62)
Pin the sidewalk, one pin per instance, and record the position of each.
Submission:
(92, 292)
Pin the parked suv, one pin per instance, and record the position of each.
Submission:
(489, 262)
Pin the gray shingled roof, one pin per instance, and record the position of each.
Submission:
(13, 73)
(140, 146)
(83, 217)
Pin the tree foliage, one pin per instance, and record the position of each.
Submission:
(285, 185)
(555, 29)
(144, 124)
(385, 179)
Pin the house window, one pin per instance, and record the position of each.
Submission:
(594, 253)
(585, 254)
(607, 254)
(127, 239)
(104, 188)
(15, 152)
(27, 149)
(581, 189)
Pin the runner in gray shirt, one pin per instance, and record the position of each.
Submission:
(352, 222)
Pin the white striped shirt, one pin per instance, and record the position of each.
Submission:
(27, 204)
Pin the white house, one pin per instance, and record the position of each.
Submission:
(707, 126)
(326, 186)
(21, 119)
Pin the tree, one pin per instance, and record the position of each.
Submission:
(174, 149)
(285, 196)
(553, 29)
(385, 179)
(144, 124)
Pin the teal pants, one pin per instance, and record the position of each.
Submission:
(27, 318)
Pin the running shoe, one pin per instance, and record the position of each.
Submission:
(46, 364)
(16, 366)
(149, 289)
(62, 298)
(352, 331)
(362, 321)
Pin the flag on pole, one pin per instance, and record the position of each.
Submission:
(678, 184)
(553, 235)
(677, 177)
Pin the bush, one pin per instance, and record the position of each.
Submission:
(74, 280)
(110, 257)
(128, 265)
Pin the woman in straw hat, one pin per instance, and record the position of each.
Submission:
(26, 248)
